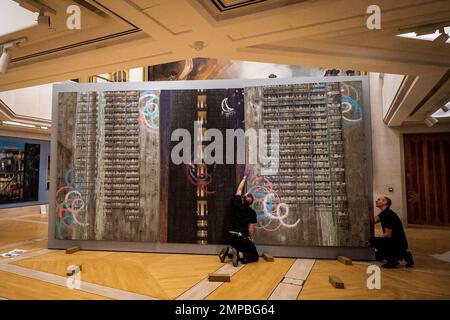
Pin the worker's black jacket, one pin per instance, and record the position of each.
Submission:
(241, 216)
(390, 220)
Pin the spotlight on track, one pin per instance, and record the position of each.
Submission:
(5, 58)
(430, 121)
(43, 20)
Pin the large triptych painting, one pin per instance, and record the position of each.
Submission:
(160, 164)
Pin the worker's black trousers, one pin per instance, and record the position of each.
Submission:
(247, 247)
(387, 249)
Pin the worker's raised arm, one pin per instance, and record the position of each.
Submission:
(242, 183)
(373, 219)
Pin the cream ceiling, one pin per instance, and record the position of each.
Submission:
(118, 34)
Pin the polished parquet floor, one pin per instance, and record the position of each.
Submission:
(167, 276)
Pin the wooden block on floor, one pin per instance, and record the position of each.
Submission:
(285, 291)
(268, 257)
(72, 250)
(345, 260)
(336, 282)
(204, 288)
(219, 277)
(297, 282)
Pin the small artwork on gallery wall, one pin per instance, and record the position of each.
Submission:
(19, 171)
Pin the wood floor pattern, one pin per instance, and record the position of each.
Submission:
(15, 287)
(254, 282)
(163, 276)
(204, 288)
(8, 266)
(400, 283)
(84, 286)
(13, 231)
(166, 276)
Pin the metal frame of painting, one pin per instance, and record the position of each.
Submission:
(317, 251)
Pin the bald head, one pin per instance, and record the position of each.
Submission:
(383, 202)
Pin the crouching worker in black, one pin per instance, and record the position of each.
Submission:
(392, 246)
(243, 219)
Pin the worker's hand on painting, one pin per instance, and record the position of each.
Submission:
(246, 172)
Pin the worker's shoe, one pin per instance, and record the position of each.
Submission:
(235, 257)
(409, 259)
(223, 254)
(391, 264)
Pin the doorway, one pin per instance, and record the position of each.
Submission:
(427, 174)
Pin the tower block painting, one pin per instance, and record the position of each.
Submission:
(203, 217)
(158, 167)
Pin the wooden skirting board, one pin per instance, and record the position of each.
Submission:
(291, 285)
(204, 288)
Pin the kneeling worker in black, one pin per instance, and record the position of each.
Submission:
(392, 246)
(243, 219)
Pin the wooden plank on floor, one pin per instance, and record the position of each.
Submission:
(285, 291)
(300, 269)
(204, 288)
(84, 286)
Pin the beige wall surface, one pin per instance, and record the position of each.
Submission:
(387, 149)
